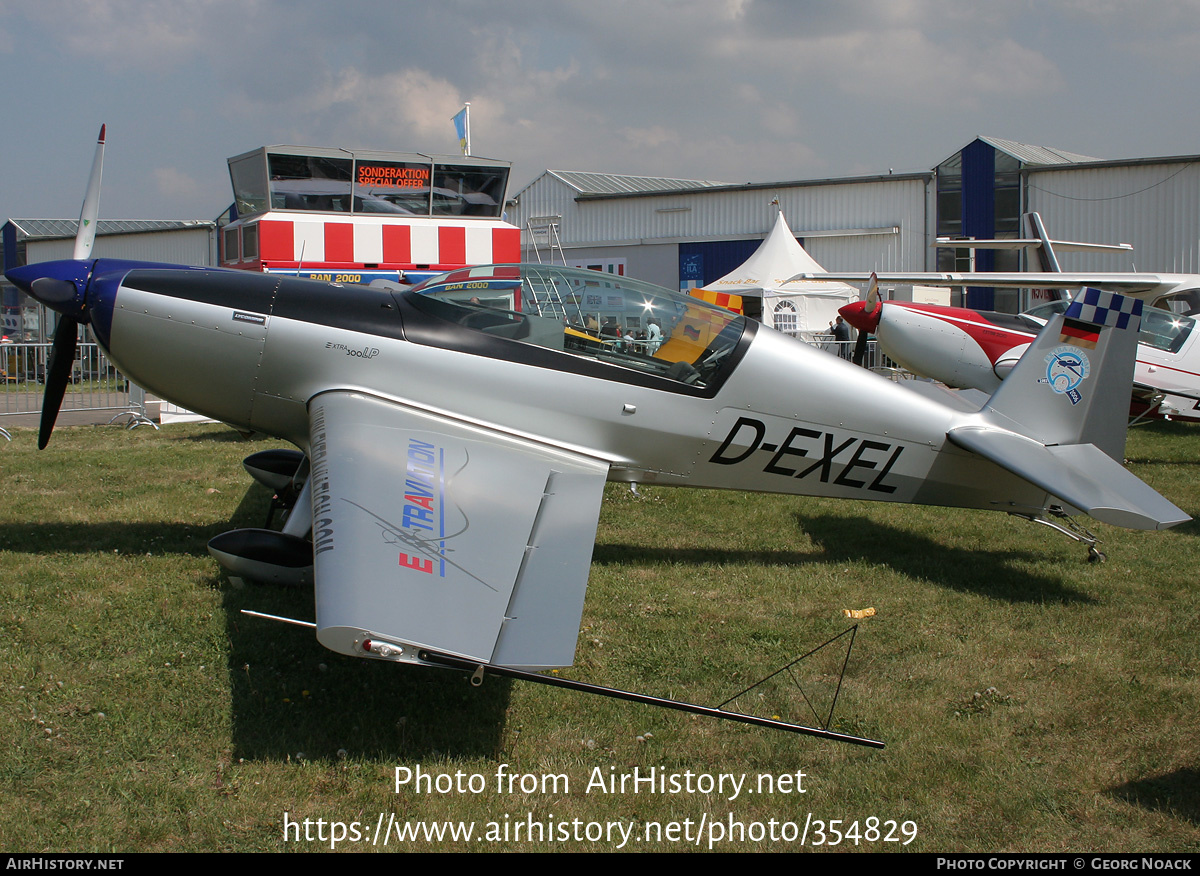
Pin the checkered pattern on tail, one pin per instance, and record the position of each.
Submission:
(1105, 309)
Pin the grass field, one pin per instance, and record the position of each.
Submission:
(1029, 700)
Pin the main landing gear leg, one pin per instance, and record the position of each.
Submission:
(1068, 526)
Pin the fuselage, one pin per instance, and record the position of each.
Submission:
(777, 415)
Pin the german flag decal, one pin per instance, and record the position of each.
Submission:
(1079, 334)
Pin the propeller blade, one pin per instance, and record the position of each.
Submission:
(64, 289)
(860, 348)
(872, 297)
(85, 236)
(58, 372)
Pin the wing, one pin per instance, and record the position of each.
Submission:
(429, 533)
(1015, 243)
(1136, 285)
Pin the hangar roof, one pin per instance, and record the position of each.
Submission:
(52, 229)
(1027, 154)
(588, 183)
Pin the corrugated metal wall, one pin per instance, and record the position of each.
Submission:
(898, 212)
(191, 246)
(1155, 207)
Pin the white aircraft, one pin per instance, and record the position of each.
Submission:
(459, 450)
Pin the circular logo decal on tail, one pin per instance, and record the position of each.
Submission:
(1066, 368)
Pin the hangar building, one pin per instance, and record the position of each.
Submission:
(684, 233)
(25, 241)
(678, 233)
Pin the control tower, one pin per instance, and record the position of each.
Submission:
(354, 217)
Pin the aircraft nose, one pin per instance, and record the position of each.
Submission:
(856, 314)
(60, 285)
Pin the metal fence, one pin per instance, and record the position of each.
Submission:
(874, 359)
(95, 383)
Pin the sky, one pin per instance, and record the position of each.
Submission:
(727, 90)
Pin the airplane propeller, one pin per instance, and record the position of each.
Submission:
(85, 235)
(67, 297)
(870, 305)
(58, 373)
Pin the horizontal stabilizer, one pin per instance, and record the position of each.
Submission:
(1081, 475)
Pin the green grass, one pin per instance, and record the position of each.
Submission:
(1030, 701)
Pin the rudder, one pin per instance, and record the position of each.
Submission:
(1073, 384)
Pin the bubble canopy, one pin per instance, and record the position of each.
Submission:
(583, 314)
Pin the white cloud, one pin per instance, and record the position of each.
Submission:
(134, 33)
(716, 89)
(910, 69)
(174, 185)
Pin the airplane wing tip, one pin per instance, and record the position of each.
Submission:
(1129, 518)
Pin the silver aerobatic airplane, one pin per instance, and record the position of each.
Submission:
(460, 433)
(456, 437)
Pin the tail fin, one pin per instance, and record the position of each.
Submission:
(1059, 418)
(1047, 258)
(1073, 384)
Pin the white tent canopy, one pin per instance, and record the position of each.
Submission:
(802, 309)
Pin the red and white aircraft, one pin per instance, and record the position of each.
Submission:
(974, 349)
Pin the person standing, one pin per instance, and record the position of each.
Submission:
(841, 335)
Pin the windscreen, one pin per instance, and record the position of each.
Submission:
(606, 317)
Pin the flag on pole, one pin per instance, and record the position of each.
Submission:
(462, 125)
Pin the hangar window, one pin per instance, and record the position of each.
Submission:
(392, 187)
(249, 177)
(949, 198)
(250, 241)
(233, 252)
(1006, 187)
(339, 181)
